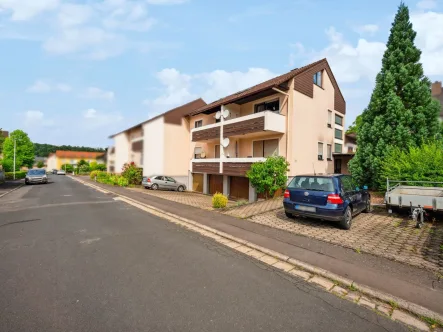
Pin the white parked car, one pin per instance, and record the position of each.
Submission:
(61, 172)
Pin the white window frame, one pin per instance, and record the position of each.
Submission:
(330, 119)
(320, 156)
(198, 121)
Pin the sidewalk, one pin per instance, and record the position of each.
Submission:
(407, 282)
(8, 186)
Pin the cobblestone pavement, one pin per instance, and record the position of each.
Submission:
(189, 198)
(249, 210)
(392, 237)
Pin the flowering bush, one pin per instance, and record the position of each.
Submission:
(132, 173)
(219, 201)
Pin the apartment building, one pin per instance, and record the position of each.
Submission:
(298, 115)
(159, 145)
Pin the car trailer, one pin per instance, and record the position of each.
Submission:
(420, 198)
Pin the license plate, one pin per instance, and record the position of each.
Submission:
(305, 208)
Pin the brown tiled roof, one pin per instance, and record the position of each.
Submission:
(78, 154)
(172, 116)
(272, 83)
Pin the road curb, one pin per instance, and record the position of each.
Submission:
(384, 302)
(10, 191)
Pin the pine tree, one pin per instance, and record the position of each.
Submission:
(401, 112)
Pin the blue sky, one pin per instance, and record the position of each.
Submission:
(74, 72)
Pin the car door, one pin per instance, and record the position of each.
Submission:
(349, 192)
(171, 183)
(358, 193)
(160, 181)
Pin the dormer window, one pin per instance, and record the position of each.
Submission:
(317, 79)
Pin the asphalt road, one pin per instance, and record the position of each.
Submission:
(74, 259)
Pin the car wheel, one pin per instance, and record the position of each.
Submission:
(289, 215)
(368, 206)
(154, 186)
(180, 188)
(346, 221)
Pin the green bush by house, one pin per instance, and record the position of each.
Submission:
(424, 163)
(18, 175)
(269, 176)
(219, 201)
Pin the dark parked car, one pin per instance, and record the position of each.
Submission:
(333, 197)
(36, 176)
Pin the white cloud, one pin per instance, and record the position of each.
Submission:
(180, 88)
(97, 93)
(165, 2)
(429, 27)
(72, 14)
(427, 4)
(370, 29)
(41, 86)
(92, 29)
(35, 118)
(349, 62)
(94, 119)
(23, 10)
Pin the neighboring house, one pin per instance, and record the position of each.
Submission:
(59, 158)
(42, 159)
(437, 93)
(159, 145)
(298, 115)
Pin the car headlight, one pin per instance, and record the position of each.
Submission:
(44, 176)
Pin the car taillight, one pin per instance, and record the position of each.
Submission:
(334, 199)
(149, 180)
(287, 194)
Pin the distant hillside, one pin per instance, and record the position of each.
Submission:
(43, 150)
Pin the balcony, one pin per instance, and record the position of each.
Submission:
(227, 166)
(266, 121)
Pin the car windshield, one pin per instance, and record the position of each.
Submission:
(36, 172)
(315, 183)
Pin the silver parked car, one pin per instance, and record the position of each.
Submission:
(155, 182)
(36, 176)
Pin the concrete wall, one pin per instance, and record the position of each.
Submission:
(122, 148)
(308, 127)
(154, 147)
(176, 148)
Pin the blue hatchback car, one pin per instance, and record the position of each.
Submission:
(333, 197)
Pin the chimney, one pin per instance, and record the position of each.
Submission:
(436, 88)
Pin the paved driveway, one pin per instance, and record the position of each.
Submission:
(186, 197)
(393, 237)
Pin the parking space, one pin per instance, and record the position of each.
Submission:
(187, 198)
(381, 234)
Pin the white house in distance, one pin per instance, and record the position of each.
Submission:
(159, 145)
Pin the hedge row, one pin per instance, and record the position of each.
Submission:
(18, 175)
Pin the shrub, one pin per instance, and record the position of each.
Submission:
(122, 182)
(94, 166)
(269, 176)
(93, 174)
(132, 173)
(67, 168)
(416, 164)
(8, 165)
(101, 167)
(219, 201)
(18, 175)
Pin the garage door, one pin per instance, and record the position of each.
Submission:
(197, 182)
(215, 184)
(239, 187)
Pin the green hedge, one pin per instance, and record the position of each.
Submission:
(18, 175)
(108, 178)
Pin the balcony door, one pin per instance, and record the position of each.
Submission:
(265, 148)
(217, 151)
